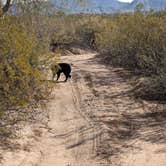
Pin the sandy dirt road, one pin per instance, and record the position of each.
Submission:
(94, 120)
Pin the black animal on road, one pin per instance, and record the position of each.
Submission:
(59, 68)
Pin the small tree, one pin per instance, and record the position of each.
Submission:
(139, 8)
(5, 8)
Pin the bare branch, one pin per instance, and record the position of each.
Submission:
(6, 7)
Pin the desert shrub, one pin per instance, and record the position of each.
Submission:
(19, 74)
(152, 88)
(133, 40)
(136, 41)
(78, 28)
(24, 43)
(86, 34)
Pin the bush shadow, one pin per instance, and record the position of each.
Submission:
(126, 117)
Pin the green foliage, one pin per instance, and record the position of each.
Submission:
(19, 74)
(152, 88)
(136, 41)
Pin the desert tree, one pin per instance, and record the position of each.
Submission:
(4, 8)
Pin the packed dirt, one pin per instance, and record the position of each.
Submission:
(94, 120)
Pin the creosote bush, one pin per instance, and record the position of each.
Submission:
(136, 41)
(19, 75)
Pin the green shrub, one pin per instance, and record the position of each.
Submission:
(19, 74)
(152, 88)
(136, 41)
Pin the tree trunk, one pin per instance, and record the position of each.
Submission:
(5, 8)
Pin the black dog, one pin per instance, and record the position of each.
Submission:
(64, 68)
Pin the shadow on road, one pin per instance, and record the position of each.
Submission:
(127, 119)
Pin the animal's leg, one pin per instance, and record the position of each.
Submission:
(66, 79)
(67, 76)
(58, 75)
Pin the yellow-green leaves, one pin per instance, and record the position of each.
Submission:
(19, 76)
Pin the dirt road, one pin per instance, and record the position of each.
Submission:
(94, 120)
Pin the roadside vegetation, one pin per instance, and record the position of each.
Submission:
(24, 50)
(136, 41)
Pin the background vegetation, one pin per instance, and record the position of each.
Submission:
(136, 41)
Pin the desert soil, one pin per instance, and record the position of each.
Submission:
(94, 120)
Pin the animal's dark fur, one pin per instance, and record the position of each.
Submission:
(64, 68)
